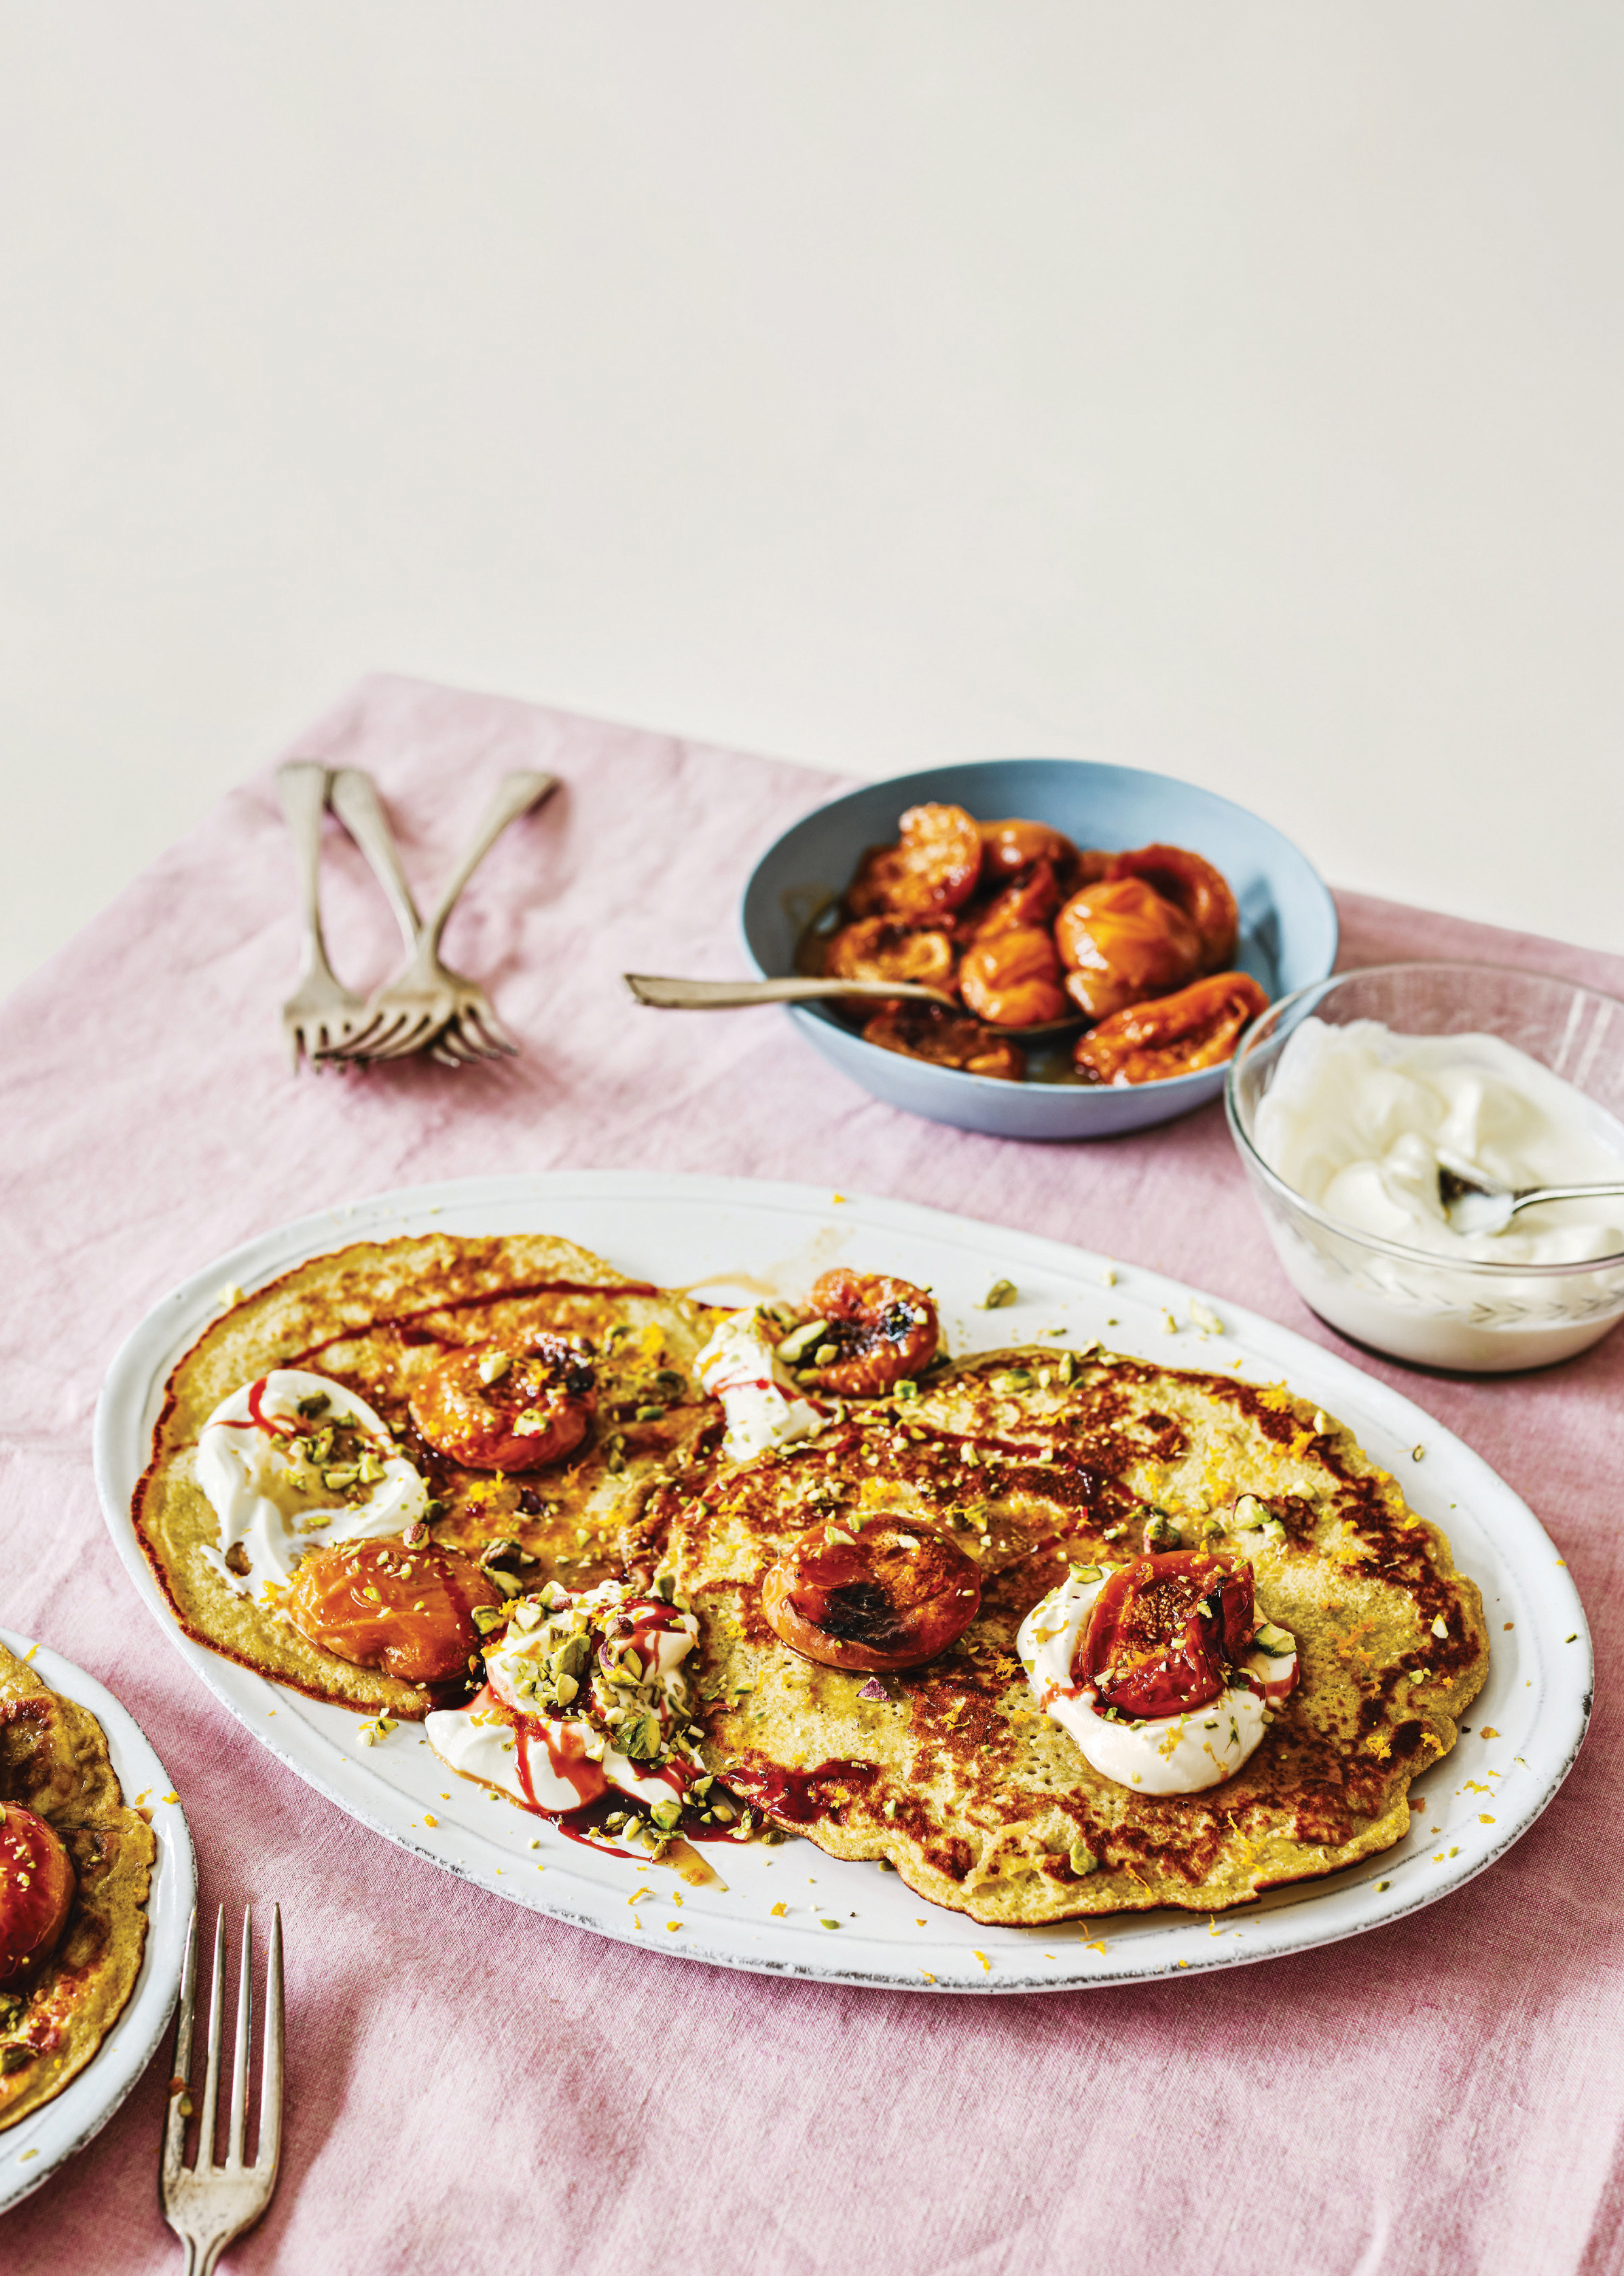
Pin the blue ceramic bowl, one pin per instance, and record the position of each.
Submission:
(1288, 923)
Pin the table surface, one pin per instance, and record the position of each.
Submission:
(472, 2088)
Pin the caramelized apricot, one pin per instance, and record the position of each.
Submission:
(1033, 900)
(879, 948)
(883, 1596)
(378, 1604)
(1193, 885)
(1200, 1027)
(1013, 980)
(924, 1031)
(1165, 1633)
(37, 1888)
(876, 1331)
(1009, 847)
(491, 1407)
(1120, 941)
(931, 870)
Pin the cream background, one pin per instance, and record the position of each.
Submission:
(1232, 389)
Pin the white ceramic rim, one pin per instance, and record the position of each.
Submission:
(30, 2152)
(658, 1226)
(1273, 1018)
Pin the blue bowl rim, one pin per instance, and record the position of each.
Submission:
(1287, 1013)
(1172, 1087)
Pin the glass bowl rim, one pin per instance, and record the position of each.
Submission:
(1254, 1162)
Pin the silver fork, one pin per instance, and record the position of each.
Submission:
(353, 796)
(205, 2204)
(321, 1013)
(421, 1006)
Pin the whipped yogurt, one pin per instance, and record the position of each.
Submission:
(740, 1366)
(1359, 1120)
(614, 1657)
(273, 1501)
(1160, 1754)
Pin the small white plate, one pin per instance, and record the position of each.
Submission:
(31, 2150)
(721, 1234)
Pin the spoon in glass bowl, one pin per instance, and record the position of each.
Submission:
(670, 995)
(1471, 1207)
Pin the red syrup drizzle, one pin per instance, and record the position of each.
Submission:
(402, 1322)
(790, 1797)
(583, 1821)
(257, 1419)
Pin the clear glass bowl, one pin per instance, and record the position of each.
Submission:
(1485, 1317)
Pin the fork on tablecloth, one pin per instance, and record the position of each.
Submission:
(205, 2204)
(321, 1010)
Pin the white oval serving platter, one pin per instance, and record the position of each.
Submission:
(31, 2150)
(719, 1236)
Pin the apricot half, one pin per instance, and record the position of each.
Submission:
(887, 1594)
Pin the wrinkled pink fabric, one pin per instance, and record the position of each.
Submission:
(473, 2088)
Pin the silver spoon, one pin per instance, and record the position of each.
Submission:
(1472, 1208)
(670, 995)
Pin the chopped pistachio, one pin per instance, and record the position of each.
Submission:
(800, 1341)
(494, 1366)
(1082, 1858)
(1000, 1292)
(826, 1354)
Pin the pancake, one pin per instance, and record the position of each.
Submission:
(373, 1318)
(1038, 1461)
(53, 1761)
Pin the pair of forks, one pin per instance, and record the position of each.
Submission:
(427, 1007)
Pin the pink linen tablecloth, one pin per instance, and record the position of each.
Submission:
(472, 2088)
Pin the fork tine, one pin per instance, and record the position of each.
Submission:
(271, 2085)
(370, 1039)
(359, 1041)
(175, 2122)
(211, 2081)
(492, 1036)
(238, 2126)
(455, 1047)
(415, 1028)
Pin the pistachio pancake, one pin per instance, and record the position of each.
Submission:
(53, 1761)
(374, 1319)
(1037, 1461)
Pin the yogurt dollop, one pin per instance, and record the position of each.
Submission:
(740, 1367)
(612, 1656)
(1163, 1754)
(291, 1462)
(1360, 1120)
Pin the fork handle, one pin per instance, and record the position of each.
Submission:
(353, 796)
(301, 785)
(516, 794)
(672, 994)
